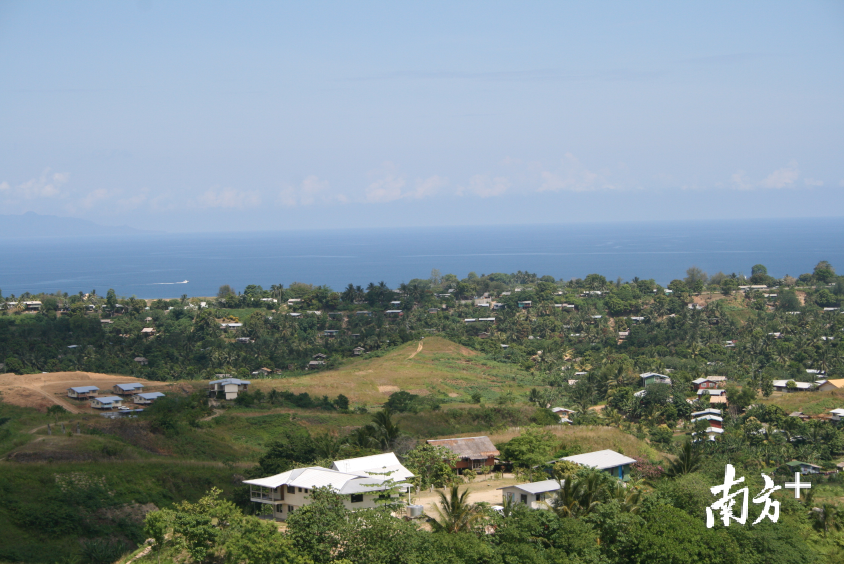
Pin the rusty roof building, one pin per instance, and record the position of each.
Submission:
(468, 448)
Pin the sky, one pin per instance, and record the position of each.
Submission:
(239, 116)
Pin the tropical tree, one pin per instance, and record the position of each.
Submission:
(826, 518)
(687, 461)
(455, 513)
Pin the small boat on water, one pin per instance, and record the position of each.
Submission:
(182, 282)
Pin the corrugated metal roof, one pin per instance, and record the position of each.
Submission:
(150, 395)
(475, 448)
(316, 477)
(376, 464)
(84, 389)
(131, 386)
(706, 411)
(225, 381)
(108, 399)
(601, 459)
(537, 487)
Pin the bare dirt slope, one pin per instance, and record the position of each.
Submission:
(43, 390)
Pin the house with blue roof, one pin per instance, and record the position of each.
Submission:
(83, 392)
(127, 389)
(227, 388)
(146, 398)
(107, 402)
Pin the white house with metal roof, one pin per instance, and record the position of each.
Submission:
(385, 465)
(107, 402)
(146, 398)
(230, 387)
(607, 460)
(288, 491)
(127, 389)
(782, 386)
(82, 392)
(536, 495)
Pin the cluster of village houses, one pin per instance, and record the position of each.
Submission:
(366, 481)
(128, 393)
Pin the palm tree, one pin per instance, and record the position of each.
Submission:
(327, 446)
(826, 518)
(687, 462)
(456, 514)
(578, 496)
(567, 501)
(629, 498)
(385, 431)
(363, 437)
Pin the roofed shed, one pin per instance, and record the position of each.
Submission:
(472, 452)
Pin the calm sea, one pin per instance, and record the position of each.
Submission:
(151, 266)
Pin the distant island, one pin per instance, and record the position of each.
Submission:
(31, 224)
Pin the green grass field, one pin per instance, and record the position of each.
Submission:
(810, 403)
(441, 368)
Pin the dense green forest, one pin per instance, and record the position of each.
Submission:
(577, 344)
(771, 333)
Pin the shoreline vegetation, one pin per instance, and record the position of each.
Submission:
(368, 370)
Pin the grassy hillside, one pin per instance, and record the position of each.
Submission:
(51, 512)
(83, 496)
(810, 403)
(439, 367)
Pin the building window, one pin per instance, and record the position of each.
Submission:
(291, 489)
(524, 498)
(357, 498)
(538, 497)
(290, 509)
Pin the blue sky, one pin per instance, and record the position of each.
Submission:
(195, 116)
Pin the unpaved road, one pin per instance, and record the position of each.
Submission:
(418, 350)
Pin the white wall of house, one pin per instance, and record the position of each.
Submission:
(534, 501)
(230, 391)
(295, 498)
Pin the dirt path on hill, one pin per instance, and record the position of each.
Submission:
(217, 413)
(418, 349)
(55, 399)
(54, 425)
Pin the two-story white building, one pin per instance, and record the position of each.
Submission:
(360, 488)
(229, 387)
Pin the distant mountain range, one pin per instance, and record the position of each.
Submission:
(31, 224)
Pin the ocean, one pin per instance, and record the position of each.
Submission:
(156, 266)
